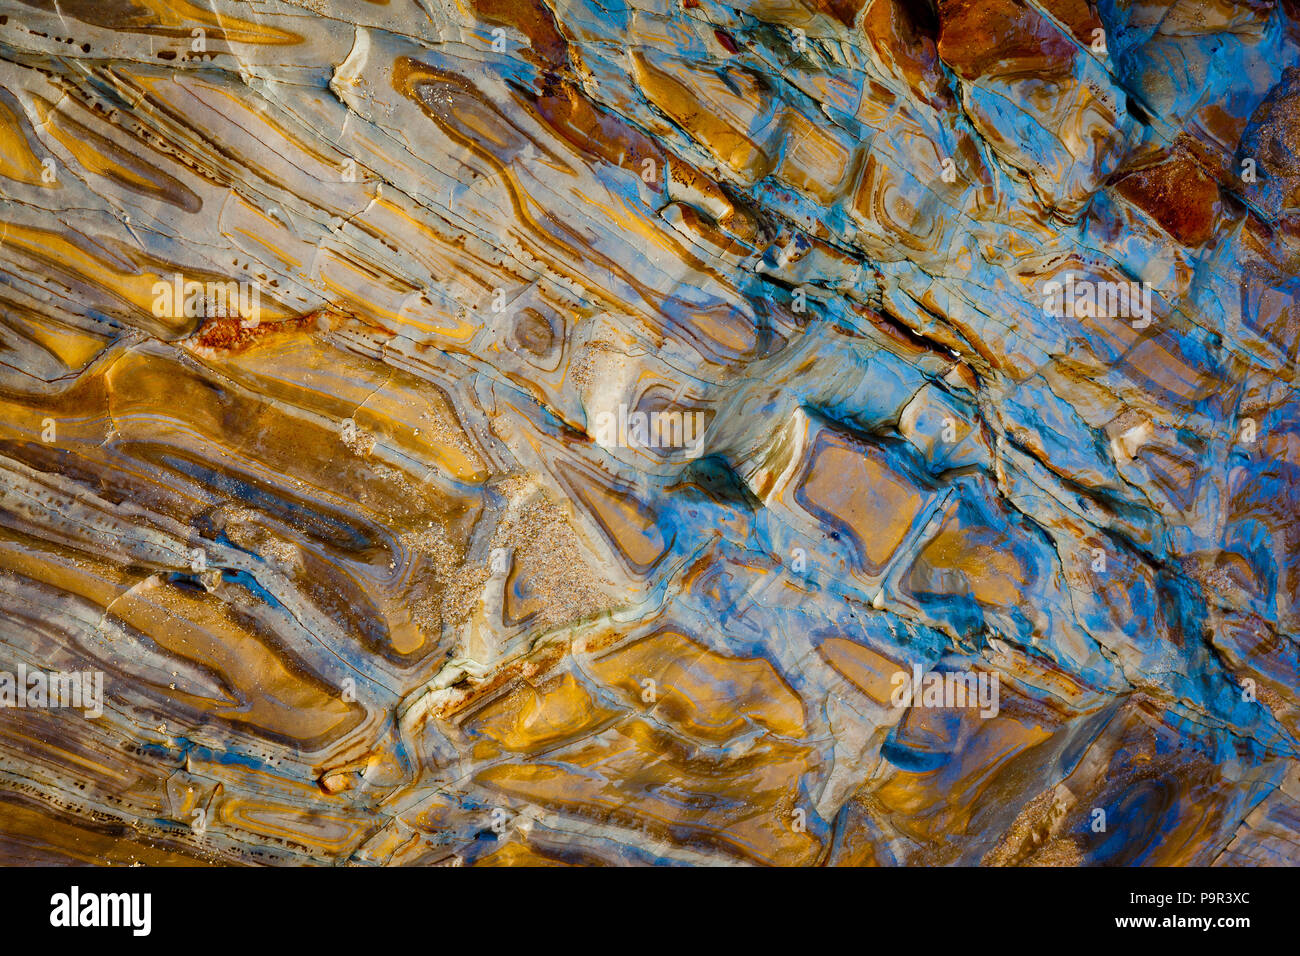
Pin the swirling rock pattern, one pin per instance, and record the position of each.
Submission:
(384, 566)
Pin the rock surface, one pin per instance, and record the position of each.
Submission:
(542, 431)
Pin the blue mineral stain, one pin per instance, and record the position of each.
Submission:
(473, 627)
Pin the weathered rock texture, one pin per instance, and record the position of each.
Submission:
(368, 584)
